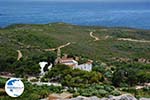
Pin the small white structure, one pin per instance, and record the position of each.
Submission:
(86, 67)
(74, 64)
(42, 65)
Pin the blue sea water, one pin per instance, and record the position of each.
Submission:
(135, 15)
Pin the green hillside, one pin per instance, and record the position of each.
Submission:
(121, 55)
(32, 39)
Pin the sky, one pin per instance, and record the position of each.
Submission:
(103, 0)
(87, 0)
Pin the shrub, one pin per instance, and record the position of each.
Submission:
(116, 93)
(102, 92)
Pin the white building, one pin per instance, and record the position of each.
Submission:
(42, 65)
(87, 66)
(74, 64)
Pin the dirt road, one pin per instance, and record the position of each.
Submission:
(133, 40)
(95, 38)
(19, 55)
(61, 46)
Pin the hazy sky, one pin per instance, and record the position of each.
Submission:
(101, 0)
(87, 0)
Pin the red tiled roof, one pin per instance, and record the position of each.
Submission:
(66, 60)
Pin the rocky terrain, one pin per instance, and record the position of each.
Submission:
(121, 97)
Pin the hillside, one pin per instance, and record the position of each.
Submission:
(33, 39)
(121, 57)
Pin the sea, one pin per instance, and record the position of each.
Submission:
(109, 14)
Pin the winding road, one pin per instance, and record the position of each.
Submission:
(95, 38)
(62, 46)
(67, 44)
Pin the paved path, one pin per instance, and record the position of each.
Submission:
(6, 76)
(45, 83)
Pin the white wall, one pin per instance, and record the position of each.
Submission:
(42, 65)
(86, 67)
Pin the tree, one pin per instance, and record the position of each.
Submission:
(118, 77)
(72, 77)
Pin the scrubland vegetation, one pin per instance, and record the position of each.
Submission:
(110, 76)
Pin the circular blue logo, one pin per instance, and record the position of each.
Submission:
(14, 87)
